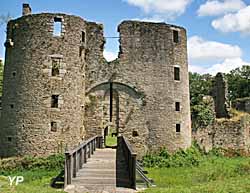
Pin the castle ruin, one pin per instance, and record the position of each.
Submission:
(59, 90)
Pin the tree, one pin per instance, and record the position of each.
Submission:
(202, 112)
(200, 86)
(239, 83)
(1, 77)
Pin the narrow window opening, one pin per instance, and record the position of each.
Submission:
(176, 36)
(177, 106)
(54, 101)
(135, 134)
(178, 128)
(12, 106)
(57, 26)
(13, 74)
(55, 66)
(176, 73)
(9, 139)
(53, 127)
(80, 51)
(83, 36)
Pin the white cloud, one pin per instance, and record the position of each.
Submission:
(226, 66)
(195, 68)
(237, 22)
(201, 49)
(168, 8)
(218, 7)
(155, 19)
(109, 56)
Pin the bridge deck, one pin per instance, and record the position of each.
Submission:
(102, 173)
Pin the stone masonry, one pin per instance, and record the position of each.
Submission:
(231, 135)
(242, 104)
(220, 95)
(148, 62)
(30, 123)
(57, 86)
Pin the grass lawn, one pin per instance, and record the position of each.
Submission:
(111, 141)
(36, 181)
(37, 173)
(213, 175)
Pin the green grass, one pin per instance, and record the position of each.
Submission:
(213, 175)
(111, 141)
(34, 181)
(37, 173)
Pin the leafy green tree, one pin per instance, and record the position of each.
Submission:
(202, 112)
(200, 86)
(239, 83)
(1, 77)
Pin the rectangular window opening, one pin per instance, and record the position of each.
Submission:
(53, 126)
(83, 36)
(176, 36)
(178, 128)
(57, 26)
(177, 106)
(176, 73)
(54, 101)
(9, 139)
(135, 134)
(55, 67)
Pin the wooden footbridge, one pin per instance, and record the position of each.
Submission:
(93, 169)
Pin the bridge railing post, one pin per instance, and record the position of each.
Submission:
(80, 158)
(133, 171)
(77, 160)
(94, 144)
(68, 169)
(74, 164)
(89, 151)
(85, 155)
(92, 147)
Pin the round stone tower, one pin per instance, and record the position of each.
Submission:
(153, 58)
(44, 84)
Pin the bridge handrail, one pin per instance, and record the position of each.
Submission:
(75, 158)
(130, 157)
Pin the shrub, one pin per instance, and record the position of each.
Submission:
(190, 157)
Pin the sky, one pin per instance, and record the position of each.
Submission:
(218, 30)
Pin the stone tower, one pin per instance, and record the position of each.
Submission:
(44, 84)
(153, 58)
(150, 78)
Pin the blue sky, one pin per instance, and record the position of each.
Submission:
(218, 30)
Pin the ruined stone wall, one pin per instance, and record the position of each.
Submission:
(242, 104)
(29, 124)
(220, 95)
(225, 133)
(97, 71)
(147, 60)
(144, 84)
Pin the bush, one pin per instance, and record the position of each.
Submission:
(190, 157)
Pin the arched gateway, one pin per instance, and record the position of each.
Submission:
(109, 105)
